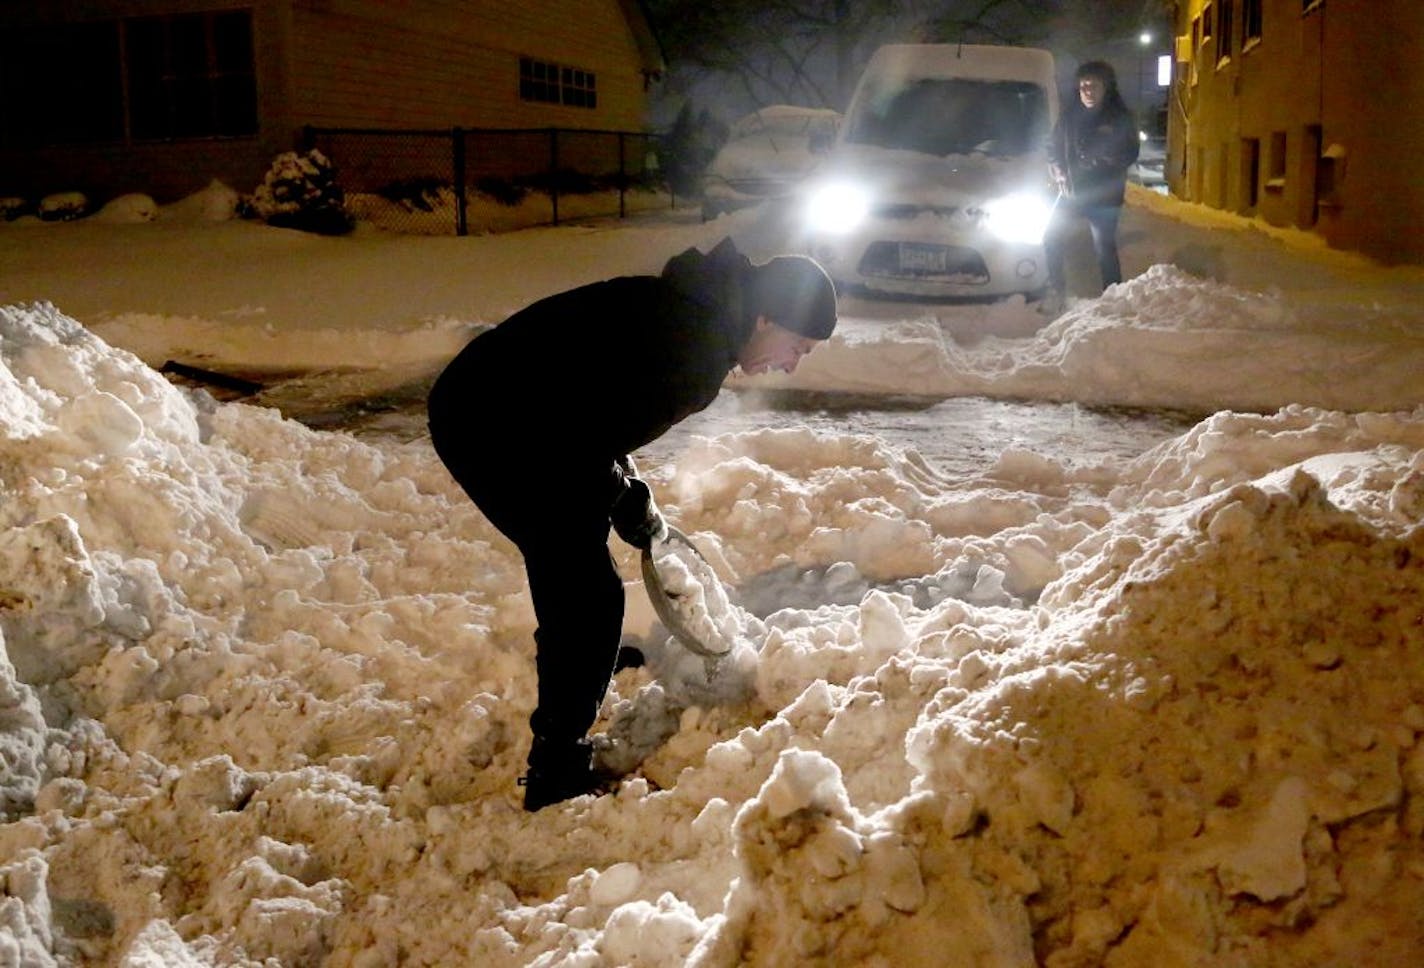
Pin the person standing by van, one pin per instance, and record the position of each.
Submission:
(1093, 145)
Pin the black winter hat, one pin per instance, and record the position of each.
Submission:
(1101, 70)
(794, 292)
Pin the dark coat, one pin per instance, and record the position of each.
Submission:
(1094, 149)
(589, 375)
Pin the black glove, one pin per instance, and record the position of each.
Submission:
(635, 517)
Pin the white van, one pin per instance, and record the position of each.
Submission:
(938, 181)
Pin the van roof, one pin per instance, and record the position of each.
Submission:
(979, 61)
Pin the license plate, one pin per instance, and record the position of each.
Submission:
(915, 257)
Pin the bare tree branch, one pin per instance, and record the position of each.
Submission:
(810, 51)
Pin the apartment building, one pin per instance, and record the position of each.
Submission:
(1304, 113)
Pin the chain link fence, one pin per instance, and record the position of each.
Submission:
(474, 180)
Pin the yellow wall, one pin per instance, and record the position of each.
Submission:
(1339, 85)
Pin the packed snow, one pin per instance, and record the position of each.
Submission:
(687, 594)
(264, 688)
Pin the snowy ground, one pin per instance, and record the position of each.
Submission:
(1069, 684)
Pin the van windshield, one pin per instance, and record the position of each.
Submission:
(953, 116)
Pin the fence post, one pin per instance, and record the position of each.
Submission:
(554, 171)
(622, 177)
(659, 143)
(457, 137)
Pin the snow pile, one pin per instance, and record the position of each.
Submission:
(695, 602)
(215, 203)
(133, 208)
(1156, 340)
(264, 694)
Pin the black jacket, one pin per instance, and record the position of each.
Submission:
(596, 372)
(1094, 149)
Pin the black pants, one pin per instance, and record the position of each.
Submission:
(555, 510)
(1102, 222)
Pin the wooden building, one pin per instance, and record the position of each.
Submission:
(1305, 113)
(162, 96)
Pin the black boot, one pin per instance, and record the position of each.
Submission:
(561, 770)
(629, 657)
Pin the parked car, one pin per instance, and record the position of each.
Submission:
(938, 182)
(767, 155)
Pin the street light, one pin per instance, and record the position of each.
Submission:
(1144, 40)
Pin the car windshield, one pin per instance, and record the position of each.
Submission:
(953, 116)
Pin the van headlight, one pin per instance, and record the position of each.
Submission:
(1021, 218)
(837, 207)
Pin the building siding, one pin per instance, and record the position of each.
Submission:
(166, 170)
(353, 63)
(1316, 125)
(372, 64)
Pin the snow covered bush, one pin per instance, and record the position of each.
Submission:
(300, 192)
(63, 206)
(129, 208)
(215, 203)
(689, 147)
(12, 207)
